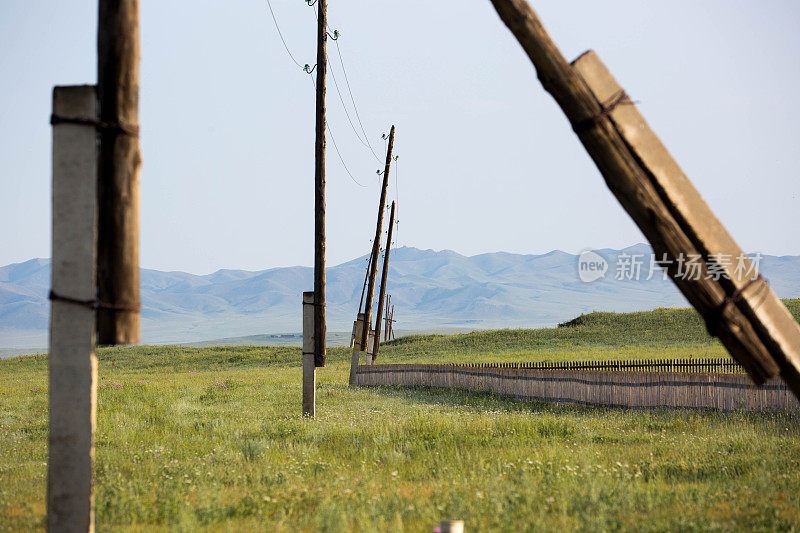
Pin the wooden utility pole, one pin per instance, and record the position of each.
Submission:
(384, 276)
(376, 244)
(118, 180)
(364, 286)
(320, 329)
(740, 309)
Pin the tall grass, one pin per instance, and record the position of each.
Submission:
(191, 439)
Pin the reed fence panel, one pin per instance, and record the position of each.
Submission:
(627, 384)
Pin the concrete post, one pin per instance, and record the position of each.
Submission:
(354, 361)
(73, 365)
(451, 526)
(309, 368)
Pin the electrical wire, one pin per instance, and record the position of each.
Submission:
(352, 99)
(346, 113)
(341, 98)
(335, 146)
(367, 144)
(275, 20)
(340, 156)
(365, 140)
(330, 130)
(397, 201)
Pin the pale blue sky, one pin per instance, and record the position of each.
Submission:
(487, 160)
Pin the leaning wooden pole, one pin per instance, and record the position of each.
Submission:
(376, 244)
(320, 328)
(739, 307)
(118, 180)
(384, 277)
(364, 286)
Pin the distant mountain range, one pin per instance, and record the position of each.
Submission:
(430, 289)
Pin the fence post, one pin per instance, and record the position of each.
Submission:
(353, 366)
(451, 526)
(309, 366)
(73, 364)
(355, 359)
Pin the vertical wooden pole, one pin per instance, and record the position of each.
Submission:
(120, 160)
(309, 365)
(73, 365)
(320, 328)
(384, 276)
(376, 244)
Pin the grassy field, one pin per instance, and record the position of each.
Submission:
(212, 438)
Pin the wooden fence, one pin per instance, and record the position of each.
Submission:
(637, 384)
(726, 366)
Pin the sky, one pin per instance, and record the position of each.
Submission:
(487, 161)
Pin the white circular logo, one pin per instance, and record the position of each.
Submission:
(591, 266)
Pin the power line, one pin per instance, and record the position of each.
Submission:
(275, 20)
(336, 84)
(340, 156)
(336, 147)
(355, 107)
(309, 71)
(366, 144)
(396, 198)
